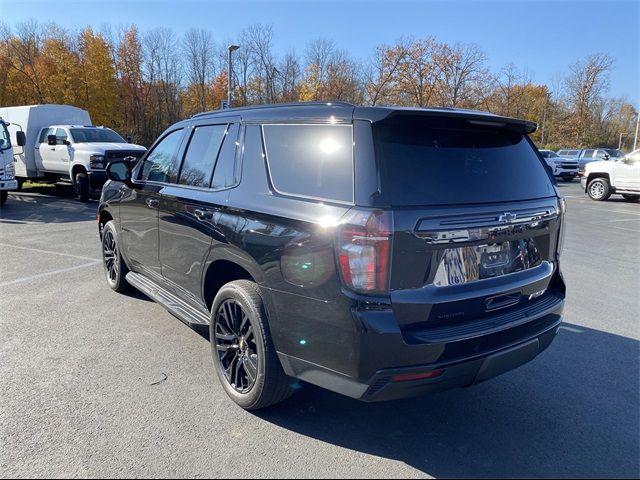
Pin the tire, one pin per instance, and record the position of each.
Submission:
(599, 189)
(83, 189)
(115, 268)
(631, 197)
(242, 348)
(20, 184)
(3, 196)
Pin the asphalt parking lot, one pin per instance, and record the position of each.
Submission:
(95, 384)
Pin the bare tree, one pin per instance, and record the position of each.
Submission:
(164, 73)
(462, 69)
(419, 75)
(290, 74)
(587, 82)
(23, 51)
(384, 72)
(199, 50)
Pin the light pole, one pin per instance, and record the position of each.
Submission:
(620, 140)
(230, 49)
(635, 139)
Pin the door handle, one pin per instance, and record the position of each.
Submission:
(203, 214)
(53, 148)
(152, 202)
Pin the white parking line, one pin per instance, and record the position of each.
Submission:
(49, 252)
(47, 274)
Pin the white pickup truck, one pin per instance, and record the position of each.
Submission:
(602, 179)
(566, 168)
(62, 145)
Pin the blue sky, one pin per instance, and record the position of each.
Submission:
(543, 37)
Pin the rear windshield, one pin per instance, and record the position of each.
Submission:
(445, 161)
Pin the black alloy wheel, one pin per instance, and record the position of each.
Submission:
(235, 342)
(110, 255)
(115, 268)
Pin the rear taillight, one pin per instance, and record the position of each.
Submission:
(364, 250)
(562, 204)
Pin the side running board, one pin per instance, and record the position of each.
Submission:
(185, 312)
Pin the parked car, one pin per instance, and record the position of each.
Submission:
(562, 167)
(376, 252)
(7, 177)
(605, 178)
(589, 155)
(62, 145)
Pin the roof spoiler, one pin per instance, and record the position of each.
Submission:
(472, 116)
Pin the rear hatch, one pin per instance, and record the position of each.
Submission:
(476, 223)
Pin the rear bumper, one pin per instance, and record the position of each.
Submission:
(363, 362)
(382, 386)
(8, 184)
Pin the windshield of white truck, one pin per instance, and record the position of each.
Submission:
(4, 137)
(95, 135)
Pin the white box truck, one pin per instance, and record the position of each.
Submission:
(63, 145)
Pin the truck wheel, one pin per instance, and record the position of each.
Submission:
(3, 196)
(83, 189)
(20, 183)
(114, 267)
(599, 189)
(631, 197)
(243, 353)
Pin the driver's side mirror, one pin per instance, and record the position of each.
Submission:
(120, 171)
(51, 140)
(606, 157)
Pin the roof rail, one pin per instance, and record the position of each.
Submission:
(274, 105)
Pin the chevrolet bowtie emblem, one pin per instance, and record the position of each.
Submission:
(507, 217)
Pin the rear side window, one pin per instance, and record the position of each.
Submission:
(313, 161)
(450, 161)
(588, 153)
(201, 155)
(224, 173)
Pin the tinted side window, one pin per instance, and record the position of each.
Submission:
(200, 158)
(157, 164)
(223, 176)
(588, 153)
(311, 160)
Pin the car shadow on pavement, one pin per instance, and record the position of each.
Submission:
(32, 206)
(572, 412)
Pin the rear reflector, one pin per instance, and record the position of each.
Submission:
(410, 377)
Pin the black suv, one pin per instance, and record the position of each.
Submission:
(376, 252)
